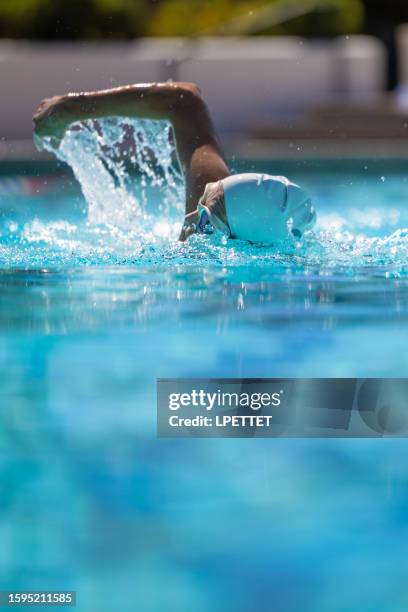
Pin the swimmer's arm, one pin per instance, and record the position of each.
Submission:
(180, 103)
(149, 100)
(197, 144)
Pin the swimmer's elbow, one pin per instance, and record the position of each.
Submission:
(189, 97)
(189, 103)
(191, 89)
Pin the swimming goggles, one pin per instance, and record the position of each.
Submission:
(203, 226)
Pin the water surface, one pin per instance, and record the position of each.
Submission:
(94, 307)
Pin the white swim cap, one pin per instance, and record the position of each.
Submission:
(264, 208)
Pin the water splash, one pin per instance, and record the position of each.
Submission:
(134, 191)
(117, 163)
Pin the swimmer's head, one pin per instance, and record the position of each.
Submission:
(212, 207)
(209, 215)
(253, 207)
(213, 193)
(264, 208)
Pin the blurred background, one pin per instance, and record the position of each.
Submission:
(91, 315)
(281, 77)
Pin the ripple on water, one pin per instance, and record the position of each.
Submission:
(126, 224)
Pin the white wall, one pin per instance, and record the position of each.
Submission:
(247, 81)
(361, 66)
(244, 80)
(29, 73)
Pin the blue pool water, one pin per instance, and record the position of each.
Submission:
(95, 305)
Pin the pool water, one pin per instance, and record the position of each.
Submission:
(92, 312)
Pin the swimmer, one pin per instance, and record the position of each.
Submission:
(258, 208)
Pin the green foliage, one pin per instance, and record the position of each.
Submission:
(115, 19)
(72, 19)
(198, 17)
(332, 18)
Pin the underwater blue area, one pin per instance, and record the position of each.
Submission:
(98, 299)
